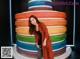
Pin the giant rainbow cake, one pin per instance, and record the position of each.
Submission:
(55, 22)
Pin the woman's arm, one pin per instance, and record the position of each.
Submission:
(36, 39)
(45, 30)
(46, 33)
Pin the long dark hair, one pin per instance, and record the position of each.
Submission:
(32, 28)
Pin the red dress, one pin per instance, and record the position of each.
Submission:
(47, 50)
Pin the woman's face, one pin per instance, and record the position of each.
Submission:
(33, 21)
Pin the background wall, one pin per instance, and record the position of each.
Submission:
(77, 38)
(17, 7)
(4, 23)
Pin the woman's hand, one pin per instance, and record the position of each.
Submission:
(44, 43)
(37, 46)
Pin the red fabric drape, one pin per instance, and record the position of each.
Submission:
(47, 50)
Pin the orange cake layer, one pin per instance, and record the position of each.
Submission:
(46, 22)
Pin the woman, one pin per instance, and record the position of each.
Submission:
(42, 38)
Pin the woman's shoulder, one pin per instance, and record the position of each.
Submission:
(42, 23)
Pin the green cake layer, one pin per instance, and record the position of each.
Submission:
(31, 39)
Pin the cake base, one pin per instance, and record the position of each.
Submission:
(63, 56)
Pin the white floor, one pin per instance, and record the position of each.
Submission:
(63, 56)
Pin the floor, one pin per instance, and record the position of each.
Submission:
(75, 54)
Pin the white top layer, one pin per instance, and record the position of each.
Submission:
(40, 0)
(40, 6)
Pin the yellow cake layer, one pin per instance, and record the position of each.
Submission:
(51, 30)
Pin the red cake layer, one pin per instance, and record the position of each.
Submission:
(41, 14)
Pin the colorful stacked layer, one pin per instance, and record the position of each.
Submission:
(39, 5)
(55, 22)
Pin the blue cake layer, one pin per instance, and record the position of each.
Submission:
(36, 3)
(33, 47)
